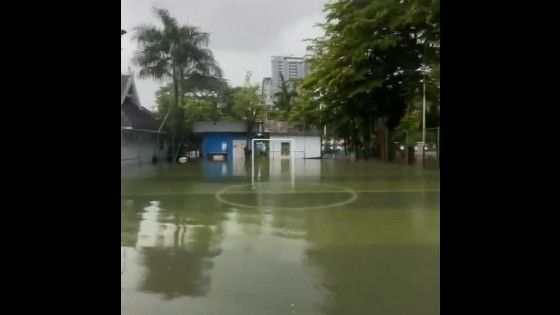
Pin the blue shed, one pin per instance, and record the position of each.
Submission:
(222, 140)
(228, 145)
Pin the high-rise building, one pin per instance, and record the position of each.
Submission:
(291, 68)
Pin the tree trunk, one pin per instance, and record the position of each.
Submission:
(367, 137)
(411, 155)
(391, 147)
(180, 91)
(381, 139)
(355, 147)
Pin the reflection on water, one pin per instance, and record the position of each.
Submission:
(175, 249)
(183, 251)
(265, 169)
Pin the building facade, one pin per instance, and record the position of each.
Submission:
(141, 139)
(231, 141)
(307, 143)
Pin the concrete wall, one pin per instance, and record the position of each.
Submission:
(304, 146)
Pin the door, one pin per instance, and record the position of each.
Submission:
(285, 149)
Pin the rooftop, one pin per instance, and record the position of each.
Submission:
(220, 126)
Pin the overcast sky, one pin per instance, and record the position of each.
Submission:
(244, 33)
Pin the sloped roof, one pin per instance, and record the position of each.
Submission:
(128, 89)
(137, 117)
(133, 114)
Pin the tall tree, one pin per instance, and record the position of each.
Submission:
(365, 68)
(176, 52)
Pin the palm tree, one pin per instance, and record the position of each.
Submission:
(176, 52)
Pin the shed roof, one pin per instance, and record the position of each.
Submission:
(220, 126)
(287, 128)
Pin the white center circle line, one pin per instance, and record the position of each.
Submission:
(219, 196)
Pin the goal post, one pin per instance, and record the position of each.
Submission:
(292, 158)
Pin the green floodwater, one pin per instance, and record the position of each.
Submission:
(342, 238)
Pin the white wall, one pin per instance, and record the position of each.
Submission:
(304, 146)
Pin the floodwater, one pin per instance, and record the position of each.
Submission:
(340, 237)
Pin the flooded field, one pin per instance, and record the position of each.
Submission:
(340, 238)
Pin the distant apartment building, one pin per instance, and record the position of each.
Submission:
(290, 68)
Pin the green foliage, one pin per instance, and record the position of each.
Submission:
(194, 108)
(277, 115)
(410, 126)
(204, 85)
(247, 104)
(305, 111)
(176, 52)
(286, 95)
(200, 110)
(173, 52)
(365, 69)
